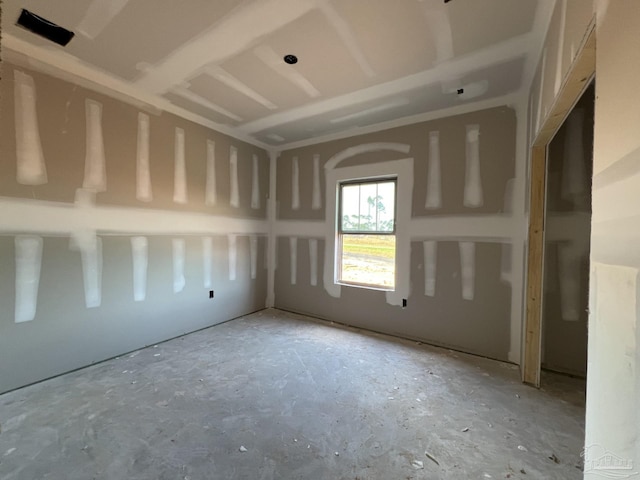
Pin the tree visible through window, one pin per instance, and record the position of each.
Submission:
(367, 228)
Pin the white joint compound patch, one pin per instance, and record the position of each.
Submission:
(211, 195)
(253, 253)
(316, 198)
(31, 169)
(434, 181)
(430, 267)
(313, 261)
(28, 257)
(233, 256)
(140, 258)
(295, 184)
(180, 168)
(472, 180)
(468, 269)
(143, 172)
(95, 174)
(179, 255)
(293, 252)
(207, 262)
(234, 198)
(255, 183)
(90, 247)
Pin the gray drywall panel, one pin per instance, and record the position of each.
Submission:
(65, 334)
(478, 326)
(496, 149)
(481, 325)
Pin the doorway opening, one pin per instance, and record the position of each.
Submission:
(567, 234)
(577, 80)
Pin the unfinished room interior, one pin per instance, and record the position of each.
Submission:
(319, 239)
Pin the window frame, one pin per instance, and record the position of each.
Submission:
(340, 232)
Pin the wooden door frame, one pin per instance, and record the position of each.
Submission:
(577, 80)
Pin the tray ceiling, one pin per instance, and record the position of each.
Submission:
(361, 62)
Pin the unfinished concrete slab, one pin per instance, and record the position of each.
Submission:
(275, 395)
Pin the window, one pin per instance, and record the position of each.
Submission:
(367, 233)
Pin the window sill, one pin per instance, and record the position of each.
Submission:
(365, 286)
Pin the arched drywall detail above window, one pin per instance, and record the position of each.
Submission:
(365, 148)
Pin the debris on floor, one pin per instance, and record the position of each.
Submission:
(554, 458)
(242, 448)
(417, 464)
(432, 458)
(523, 448)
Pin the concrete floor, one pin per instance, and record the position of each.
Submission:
(307, 400)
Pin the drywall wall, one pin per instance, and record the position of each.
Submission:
(114, 225)
(613, 380)
(455, 231)
(613, 386)
(567, 234)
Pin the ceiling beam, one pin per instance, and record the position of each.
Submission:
(506, 100)
(502, 52)
(234, 34)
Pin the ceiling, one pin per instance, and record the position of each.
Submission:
(361, 62)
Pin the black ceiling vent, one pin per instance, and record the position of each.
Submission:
(291, 59)
(44, 28)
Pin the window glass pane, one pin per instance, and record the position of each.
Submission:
(369, 260)
(350, 207)
(368, 207)
(385, 204)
